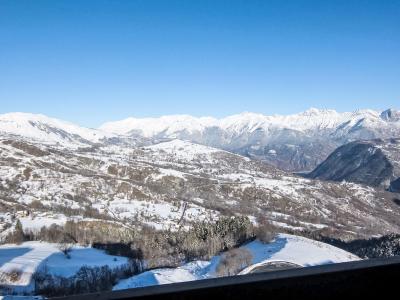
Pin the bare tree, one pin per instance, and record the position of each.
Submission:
(265, 230)
(65, 248)
(234, 261)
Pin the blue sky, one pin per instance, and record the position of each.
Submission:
(93, 61)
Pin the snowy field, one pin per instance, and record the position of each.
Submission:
(26, 258)
(285, 247)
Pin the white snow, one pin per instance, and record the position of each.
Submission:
(163, 276)
(46, 129)
(149, 127)
(298, 250)
(312, 119)
(41, 220)
(42, 128)
(160, 214)
(285, 247)
(224, 132)
(28, 257)
(183, 149)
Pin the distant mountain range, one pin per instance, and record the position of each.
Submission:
(295, 143)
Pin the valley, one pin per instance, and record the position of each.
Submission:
(177, 192)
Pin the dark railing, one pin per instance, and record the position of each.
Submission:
(367, 278)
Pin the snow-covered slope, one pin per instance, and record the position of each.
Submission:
(49, 130)
(25, 259)
(174, 184)
(285, 247)
(295, 142)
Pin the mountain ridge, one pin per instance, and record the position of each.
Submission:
(297, 142)
(124, 126)
(371, 162)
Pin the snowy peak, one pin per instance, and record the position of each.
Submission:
(45, 129)
(318, 112)
(150, 127)
(297, 142)
(311, 119)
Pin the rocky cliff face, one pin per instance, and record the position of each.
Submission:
(372, 162)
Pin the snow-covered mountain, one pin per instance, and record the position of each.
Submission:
(236, 124)
(295, 142)
(43, 129)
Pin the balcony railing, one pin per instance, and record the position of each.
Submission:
(367, 278)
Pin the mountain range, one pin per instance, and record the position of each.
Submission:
(294, 143)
